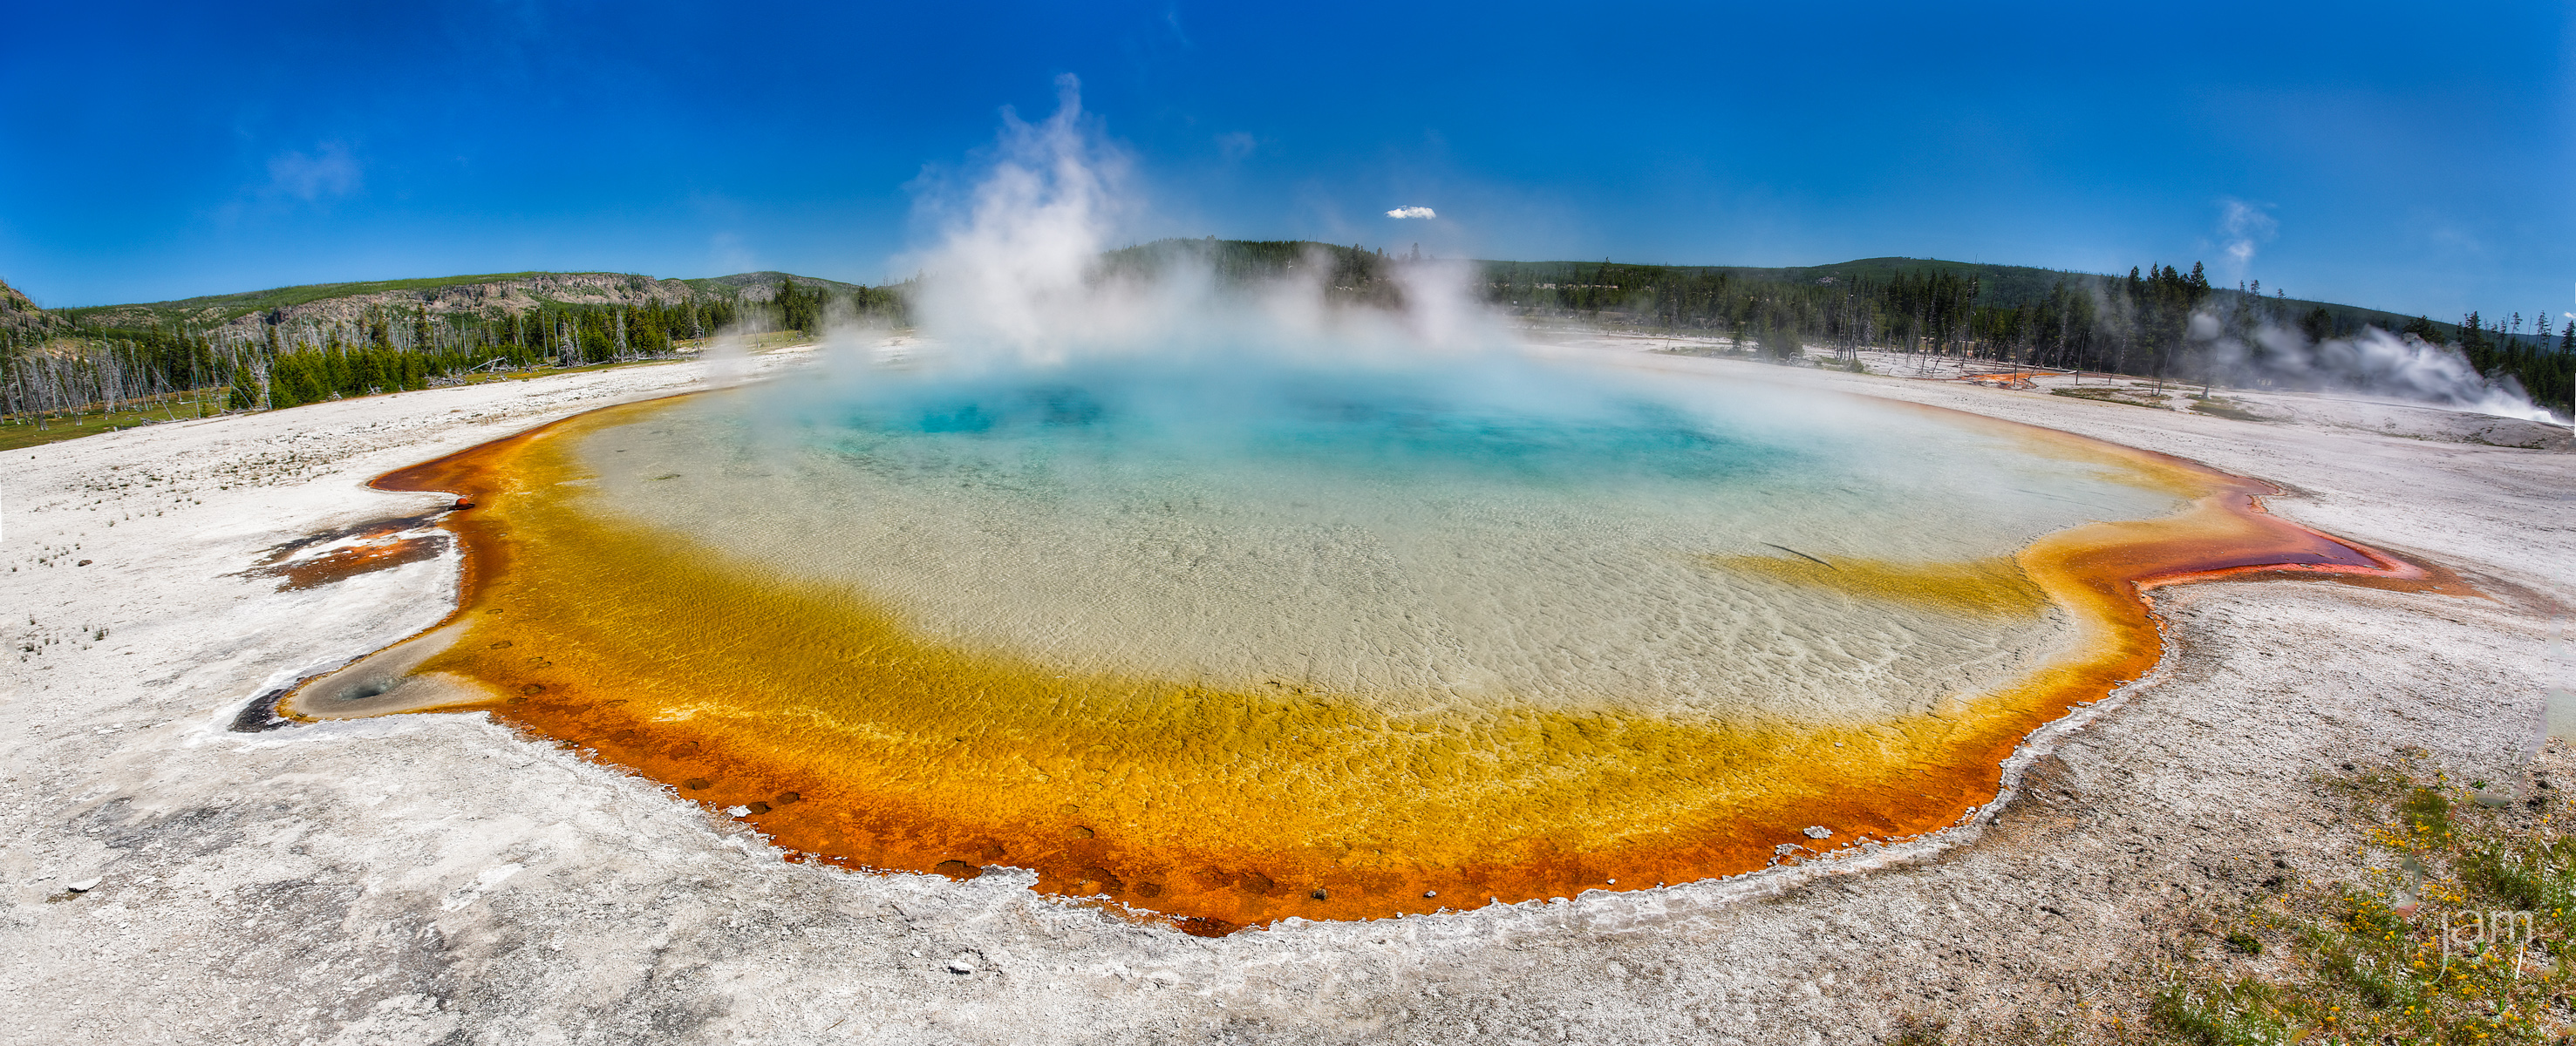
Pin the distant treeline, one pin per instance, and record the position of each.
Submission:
(2142, 325)
(1347, 274)
(286, 364)
(2158, 321)
(1930, 311)
(48, 372)
(2546, 371)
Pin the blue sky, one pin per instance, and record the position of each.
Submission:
(2413, 157)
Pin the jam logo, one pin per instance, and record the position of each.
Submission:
(2471, 934)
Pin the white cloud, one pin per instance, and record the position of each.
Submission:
(328, 173)
(1411, 212)
(2247, 227)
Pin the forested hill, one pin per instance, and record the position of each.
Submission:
(19, 315)
(291, 345)
(759, 286)
(294, 344)
(14, 303)
(1614, 292)
(1723, 296)
(1996, 286)
(452, 298)
(2157, 321)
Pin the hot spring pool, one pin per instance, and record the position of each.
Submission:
(1231, 642)
(1409, 540)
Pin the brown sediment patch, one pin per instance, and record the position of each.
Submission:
(849, 739)
(347, 552)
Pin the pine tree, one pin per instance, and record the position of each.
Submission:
(2318, 324)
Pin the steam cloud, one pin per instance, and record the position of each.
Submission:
(1023, 272)
(1022, 281)
(1011, 263)
(1030, 308)
(2373, 363)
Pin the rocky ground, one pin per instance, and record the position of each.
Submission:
(434, 879)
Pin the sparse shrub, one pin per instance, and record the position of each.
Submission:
(1915, 1029)
(2371, 961)
(2231, 1015)
(2522, 887)
(2428, 811)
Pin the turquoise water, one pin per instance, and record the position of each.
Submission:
(1420, 534)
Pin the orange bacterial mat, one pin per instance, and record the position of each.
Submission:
(815, 715)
